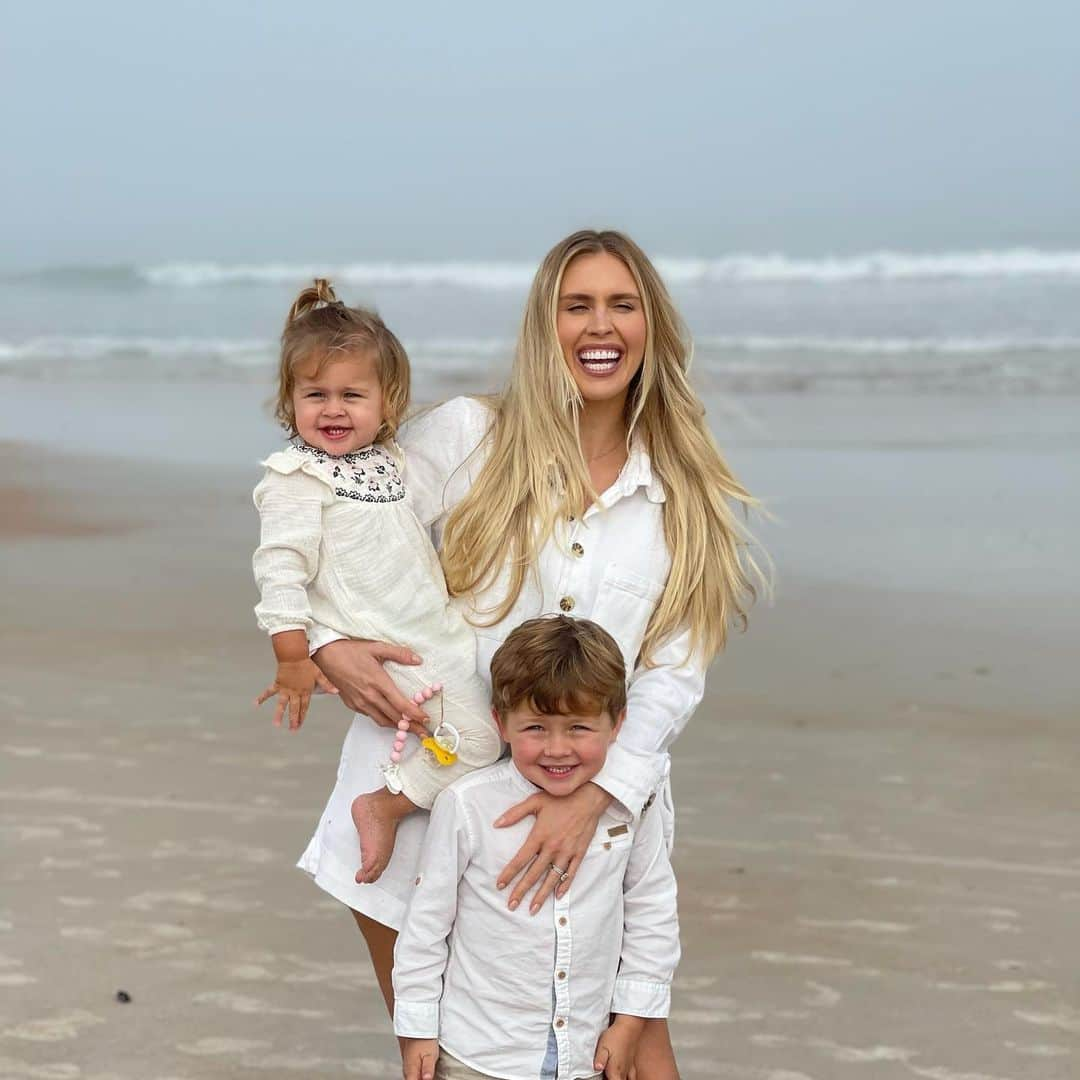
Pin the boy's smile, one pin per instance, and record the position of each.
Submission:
(558, 752)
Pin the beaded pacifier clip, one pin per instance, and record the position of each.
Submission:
(442, 743)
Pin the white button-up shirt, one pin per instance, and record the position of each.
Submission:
(611, 566)
(523, 996)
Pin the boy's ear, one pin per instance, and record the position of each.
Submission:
(498, 723)
(618, 723)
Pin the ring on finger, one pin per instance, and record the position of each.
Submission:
(563, 874)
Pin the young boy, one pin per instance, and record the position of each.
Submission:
(486, 992)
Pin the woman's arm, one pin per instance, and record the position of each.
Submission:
(659, 703)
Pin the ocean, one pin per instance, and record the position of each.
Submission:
(1000, 322)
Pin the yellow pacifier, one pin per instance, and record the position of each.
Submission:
(443, 743)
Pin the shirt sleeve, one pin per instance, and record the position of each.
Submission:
(319, 635)
(290, 509)
(659, 702)
(440, 463)
(421, 952)
(650, 948)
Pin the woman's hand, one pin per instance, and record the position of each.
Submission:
(356, 669)
(564, 827)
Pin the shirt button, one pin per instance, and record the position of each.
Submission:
(562, 974)
(560, 1022)
(562, 920)
(567, 603)
(577, 549)
(607, 846)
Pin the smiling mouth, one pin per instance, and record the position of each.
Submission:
(558, 770)
(599, 361)
(335, 432)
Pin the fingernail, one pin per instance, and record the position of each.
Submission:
(500, 884)
(415, 658)
(513, 905)
(533, 910)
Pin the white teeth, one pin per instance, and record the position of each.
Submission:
(598, 354)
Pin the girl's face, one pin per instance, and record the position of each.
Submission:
(601, 326)
(338, 409)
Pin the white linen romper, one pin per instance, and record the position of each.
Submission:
(611, 566)
(340, 546)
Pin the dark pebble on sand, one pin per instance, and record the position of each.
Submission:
(123, 997)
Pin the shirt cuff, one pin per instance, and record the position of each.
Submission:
(637, 997)
(282, 626)
(632, 777)
(416, 1019)
(318, 636)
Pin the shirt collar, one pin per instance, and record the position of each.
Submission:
(636, 473)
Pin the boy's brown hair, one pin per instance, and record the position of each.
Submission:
(555, 664)
(319, 327)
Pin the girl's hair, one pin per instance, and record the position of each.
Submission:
(535, 474)
(321, 328)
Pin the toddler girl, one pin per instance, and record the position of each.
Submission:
(341, 547)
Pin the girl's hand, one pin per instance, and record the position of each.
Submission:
(294, 683)
(418, 1057)
(356, 668)
(564, 827)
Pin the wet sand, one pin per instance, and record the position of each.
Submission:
(878, 840)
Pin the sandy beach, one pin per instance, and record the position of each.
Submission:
(878, 839)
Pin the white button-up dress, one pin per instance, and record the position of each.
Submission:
(611, 566)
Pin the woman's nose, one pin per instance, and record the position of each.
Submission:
(599, 320)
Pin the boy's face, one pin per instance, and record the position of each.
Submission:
(558, 753)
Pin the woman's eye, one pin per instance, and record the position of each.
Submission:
(576, 307)
(625, 307)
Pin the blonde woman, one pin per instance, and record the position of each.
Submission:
(591, 486)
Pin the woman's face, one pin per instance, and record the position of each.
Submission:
(601, 326)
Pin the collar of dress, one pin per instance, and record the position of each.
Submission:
(636, 473)
(355, 457)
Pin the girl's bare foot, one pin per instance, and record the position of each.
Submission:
(376, 816)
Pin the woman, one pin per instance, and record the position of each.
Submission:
(592, 486)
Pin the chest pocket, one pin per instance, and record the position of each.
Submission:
(612, 841)
(624, 604)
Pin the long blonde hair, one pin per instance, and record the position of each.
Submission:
(535, 474)
(320, 327)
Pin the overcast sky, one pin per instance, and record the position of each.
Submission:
(345, 130)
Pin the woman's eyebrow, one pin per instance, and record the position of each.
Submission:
(590, 296)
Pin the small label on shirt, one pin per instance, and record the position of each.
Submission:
(618, 830)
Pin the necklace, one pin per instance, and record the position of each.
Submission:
(604, 453)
